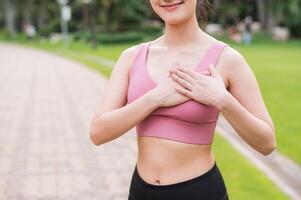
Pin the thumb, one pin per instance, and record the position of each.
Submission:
(212, 70)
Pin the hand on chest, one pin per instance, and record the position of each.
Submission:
(152, 68)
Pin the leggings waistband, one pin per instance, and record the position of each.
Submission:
(178, 184)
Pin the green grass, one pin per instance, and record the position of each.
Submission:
(242, 179)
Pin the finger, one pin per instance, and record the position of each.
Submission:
(184, 92)
(206, 72)
(190, 72)
(181, 81)
(184, 76)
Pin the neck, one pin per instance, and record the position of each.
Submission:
(187, 33)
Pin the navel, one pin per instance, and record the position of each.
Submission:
(157, 182)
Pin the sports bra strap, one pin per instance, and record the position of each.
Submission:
(139, 53)
(214, 54)
(138, 58)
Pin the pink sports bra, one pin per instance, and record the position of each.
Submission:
(188, 122)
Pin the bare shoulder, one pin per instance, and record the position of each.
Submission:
(232, 65)
(125, 60)
(232, 58)
(129, 53)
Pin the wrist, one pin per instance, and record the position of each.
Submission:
(152, 100)
(224, 101)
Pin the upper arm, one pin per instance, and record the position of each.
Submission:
(114, 94)
(243, 85)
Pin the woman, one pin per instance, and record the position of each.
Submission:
(172, 89)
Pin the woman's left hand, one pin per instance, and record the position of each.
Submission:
(206, 87)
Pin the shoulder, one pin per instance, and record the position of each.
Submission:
(130, 52)
(231, 56)
(231, 61)
(232, 65)
(235, 69)
(126, 58)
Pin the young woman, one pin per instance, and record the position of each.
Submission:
(172, 89)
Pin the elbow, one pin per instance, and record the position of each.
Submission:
(93, 138)
(269, 147)
(268, 150)
(94, 134)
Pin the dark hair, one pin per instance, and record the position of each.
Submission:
(203, 9)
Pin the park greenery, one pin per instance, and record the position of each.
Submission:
(102, 21)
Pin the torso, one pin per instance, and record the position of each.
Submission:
(161, 161)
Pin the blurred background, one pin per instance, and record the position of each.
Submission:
(56, 58)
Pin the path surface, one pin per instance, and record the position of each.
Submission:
(46, 103)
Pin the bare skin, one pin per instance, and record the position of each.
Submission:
(231, 87)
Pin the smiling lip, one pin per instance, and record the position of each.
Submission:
(172, 4)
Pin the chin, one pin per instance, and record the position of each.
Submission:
(175, 19)
(174, 12)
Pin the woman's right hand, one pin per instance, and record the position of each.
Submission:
(166, 95)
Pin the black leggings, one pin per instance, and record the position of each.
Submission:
(208, 186)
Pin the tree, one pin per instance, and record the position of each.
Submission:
(293, 17)
(277, 12)
(42, 14)
(10, 16)
(115, 14)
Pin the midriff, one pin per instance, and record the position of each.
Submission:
(162, 162)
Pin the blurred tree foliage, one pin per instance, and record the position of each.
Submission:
(292, 17)
(95, 16)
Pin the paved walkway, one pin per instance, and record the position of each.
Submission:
(46, 103)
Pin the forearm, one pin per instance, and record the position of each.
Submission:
(256, 132)
(113, 124)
